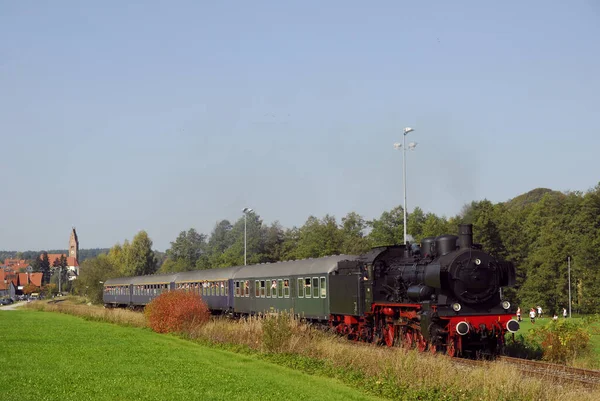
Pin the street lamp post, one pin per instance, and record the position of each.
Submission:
(402, 146)
(245, 210)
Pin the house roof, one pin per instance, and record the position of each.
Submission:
(23, 279)
(31, 278)
(36, 279)
(54, 256)
(19, 265)
(10, 262)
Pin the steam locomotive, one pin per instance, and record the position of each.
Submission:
(441, 296)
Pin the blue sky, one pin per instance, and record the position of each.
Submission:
(121, 116)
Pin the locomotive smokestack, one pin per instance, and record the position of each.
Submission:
(465, 236)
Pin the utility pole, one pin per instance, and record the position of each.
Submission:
(569, 273)
(59, 280)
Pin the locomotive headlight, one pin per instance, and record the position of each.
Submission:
(512, 326)
(506, 305)
(477, 262)
(456, 307)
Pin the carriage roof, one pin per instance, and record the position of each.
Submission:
(302, 267)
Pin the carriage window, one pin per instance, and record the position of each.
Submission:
(280, 288)
(222, 285)
(272, 289)
(262, 288)
(247, 288)
(286, 288)
(323, 288)
(307, 290)
(227, 288)
(256, 288)
(300, 288)
(237, 288)
(315, 286)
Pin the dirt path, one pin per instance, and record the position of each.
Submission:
(12, 306)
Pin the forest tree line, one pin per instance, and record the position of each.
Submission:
(536, 231)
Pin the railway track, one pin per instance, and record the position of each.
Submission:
(544, 370)
(555, 372)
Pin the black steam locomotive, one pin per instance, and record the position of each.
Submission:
(441, 296)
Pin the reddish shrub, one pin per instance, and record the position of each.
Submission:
(176, 312)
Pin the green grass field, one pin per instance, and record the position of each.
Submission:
(50, 356)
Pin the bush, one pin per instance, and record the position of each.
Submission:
(176, 312)
(520, 346)
(562, 340)
(277, 331)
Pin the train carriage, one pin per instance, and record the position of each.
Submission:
(117, 291)
(215, 286)
(300, 285)
(145, 288)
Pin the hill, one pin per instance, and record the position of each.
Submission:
(531, 197)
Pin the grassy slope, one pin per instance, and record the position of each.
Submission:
(48, 356)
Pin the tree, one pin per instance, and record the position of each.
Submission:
(50, 289)
(140, 259)
(415, 222)
(272, 241)
(36, 264)
(186, 250)
(30, 289)
(433, 226)
(354, 241)
(389, 228)
(45, 267)
(485, 228)
(92, 275)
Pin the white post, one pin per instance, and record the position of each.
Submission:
(569, 271)
(404, 173)
(59, 280)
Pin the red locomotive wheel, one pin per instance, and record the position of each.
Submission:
(408, 340)
(388, 335)
(451, 348)
(433, 348)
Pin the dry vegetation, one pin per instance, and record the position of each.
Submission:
(391, 373)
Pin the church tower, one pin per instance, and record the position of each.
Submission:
(74, 245)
